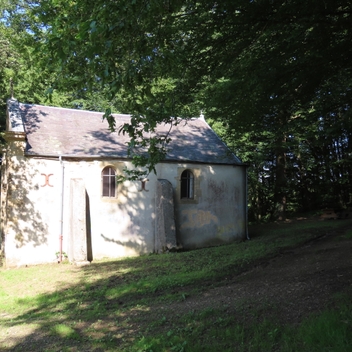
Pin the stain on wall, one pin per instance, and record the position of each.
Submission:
(194, 218)
(217, 191)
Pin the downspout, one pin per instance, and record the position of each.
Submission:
(1, 217)
(3, 210)
(246, 202)
(61, 206)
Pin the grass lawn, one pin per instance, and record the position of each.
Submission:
(145, 303)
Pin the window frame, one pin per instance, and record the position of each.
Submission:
(187, 184)
(108, 182)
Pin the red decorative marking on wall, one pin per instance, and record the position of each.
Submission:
(143, 182)
(47, 181)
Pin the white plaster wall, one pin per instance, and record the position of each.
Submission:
(218, 213)
(32, 222)
(121, 226)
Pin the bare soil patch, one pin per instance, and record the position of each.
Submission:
(295, 283)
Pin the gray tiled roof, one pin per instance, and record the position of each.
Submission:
(59, 131)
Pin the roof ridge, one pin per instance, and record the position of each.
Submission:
(69, 109)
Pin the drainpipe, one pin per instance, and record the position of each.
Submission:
(246, 201)
(61, 205)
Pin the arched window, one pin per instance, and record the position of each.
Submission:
(187, 184)
(108, 182)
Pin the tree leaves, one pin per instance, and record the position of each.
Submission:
(276, 74)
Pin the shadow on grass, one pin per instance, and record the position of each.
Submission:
(111, 305)
(101, 310)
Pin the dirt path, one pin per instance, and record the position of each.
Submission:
(294, 284)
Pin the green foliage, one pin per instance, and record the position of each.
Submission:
(271, 76)
(8, 64)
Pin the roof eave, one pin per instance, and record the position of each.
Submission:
(104, 157)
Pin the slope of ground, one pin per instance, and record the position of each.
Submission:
(286, 287)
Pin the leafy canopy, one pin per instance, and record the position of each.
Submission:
(274, 75)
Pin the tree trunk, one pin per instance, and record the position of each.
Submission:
(280, 193)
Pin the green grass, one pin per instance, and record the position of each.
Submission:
(216, 331)
(118, 304)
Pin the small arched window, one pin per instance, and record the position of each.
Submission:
(108, 179)
(187, 184)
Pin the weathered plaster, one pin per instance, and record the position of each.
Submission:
(194, 218)
(220, 212)
(120, 226)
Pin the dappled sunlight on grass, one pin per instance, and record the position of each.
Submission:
(64, 331)
(105, 304)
